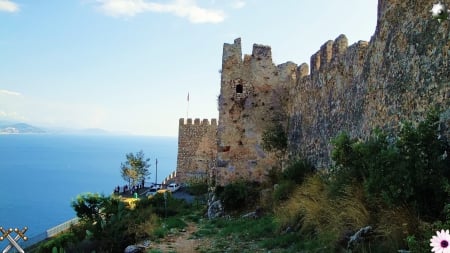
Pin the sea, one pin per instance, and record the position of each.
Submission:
(40, 174)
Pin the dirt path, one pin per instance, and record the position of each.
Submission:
(180, 242)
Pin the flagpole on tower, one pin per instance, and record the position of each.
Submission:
(187, 110)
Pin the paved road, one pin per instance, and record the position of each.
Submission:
(183, 194)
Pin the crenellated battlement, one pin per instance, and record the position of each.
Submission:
(232, 54)
(197, 122)
(262, 52)
(337, 51)
(340, 45)
(197, 143)
(330, 54)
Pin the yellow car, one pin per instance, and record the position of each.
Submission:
(130, 202)
(162, 191)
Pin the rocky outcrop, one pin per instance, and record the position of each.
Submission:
(215, 207)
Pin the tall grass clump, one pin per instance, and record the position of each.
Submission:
(294, 174)
(311, 211)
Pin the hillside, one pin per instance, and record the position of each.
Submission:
(19, 128)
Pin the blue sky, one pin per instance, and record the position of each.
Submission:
(128, 65)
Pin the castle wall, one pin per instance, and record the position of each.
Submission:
(197, 149)
(399, 75)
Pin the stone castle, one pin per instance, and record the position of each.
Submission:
(401, 73)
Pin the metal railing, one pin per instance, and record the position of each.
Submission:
(49, 233)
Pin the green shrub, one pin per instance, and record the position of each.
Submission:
(175, 222)
(248, 229)
(298, 170)
(166, 206)
(197, 187)
(239, 195)
(160, 232)
(273, 176)
(58, 243)
(408, 168)
(283, 191)
(284, 241)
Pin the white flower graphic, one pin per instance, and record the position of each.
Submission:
(439, 12)
(440, 243)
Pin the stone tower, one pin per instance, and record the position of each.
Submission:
(197, 149)
(253, 96)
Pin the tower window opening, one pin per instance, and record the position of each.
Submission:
(239, 88)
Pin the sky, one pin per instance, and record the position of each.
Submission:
(128, 65)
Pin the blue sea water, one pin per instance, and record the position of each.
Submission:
(41, 174)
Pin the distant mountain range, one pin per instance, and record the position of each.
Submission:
(7, 127)
(19, 128)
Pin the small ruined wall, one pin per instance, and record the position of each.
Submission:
(400, 74)
(197, 149)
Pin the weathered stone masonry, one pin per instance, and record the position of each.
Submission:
(399, 75)
(197, 148)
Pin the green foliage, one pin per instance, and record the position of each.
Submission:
(135, 169)
(283, 191)
(88, 206)
(58, 250)
(106, 221)
(274, 175)
(174, 222)
(57, 243)
(298, 170)
(410, 168)
(198, 186)
(253, 228)
(166, 206)
(294, 174)
(285, 241)
(274, 138)
(238, 195)
(237, 235)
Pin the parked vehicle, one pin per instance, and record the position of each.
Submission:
(163, 191)
(173, 187)
(151, 192)
(156, 186)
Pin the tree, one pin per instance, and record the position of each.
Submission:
(410, 167)
(135, 169)
(274, 139)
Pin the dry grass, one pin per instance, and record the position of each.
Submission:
(148, 227)
(311, 210)
(395, 224)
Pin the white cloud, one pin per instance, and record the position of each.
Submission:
(9, 93)
(182, 8)
(9, 6)
(238, 4)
